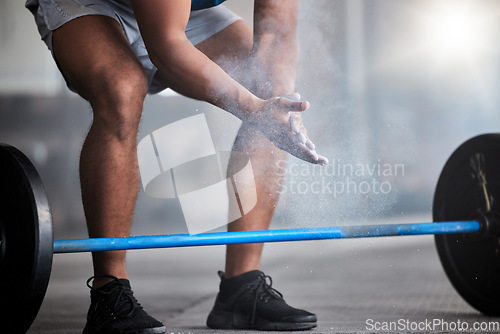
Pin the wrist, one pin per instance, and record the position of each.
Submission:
(249, 107)
(254, 109)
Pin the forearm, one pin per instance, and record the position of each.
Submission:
(181, 65)
(276, 51)
(191, 73)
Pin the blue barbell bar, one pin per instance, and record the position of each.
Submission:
(243, 237)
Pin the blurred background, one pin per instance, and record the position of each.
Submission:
(394, 86)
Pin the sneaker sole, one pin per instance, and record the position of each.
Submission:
(229, 320)
(156, 330)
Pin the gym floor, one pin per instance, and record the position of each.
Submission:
(354, 286)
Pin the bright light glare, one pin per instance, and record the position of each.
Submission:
(457, 31)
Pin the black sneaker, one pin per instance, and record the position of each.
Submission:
(114, 309)
(256, 305)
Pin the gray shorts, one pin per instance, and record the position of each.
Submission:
(52, 14)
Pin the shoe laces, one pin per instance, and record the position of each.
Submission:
(263, 291)
(124, 300)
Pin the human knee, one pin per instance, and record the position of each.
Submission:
(119, 88)
(117, 103)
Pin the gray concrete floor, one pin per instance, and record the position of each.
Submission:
(349, 284)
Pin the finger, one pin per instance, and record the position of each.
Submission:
(295, 123)
(322, 160)
(302, 152)
(311, 156)
(302, 138)
(306, 154)
(310, 145)
(300, 106)
(290, 105)
(319, 159)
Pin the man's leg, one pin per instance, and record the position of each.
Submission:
(268, 163)
(246, 299)
(231, 49)
(96, 59)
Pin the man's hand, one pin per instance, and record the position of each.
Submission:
(279, 120)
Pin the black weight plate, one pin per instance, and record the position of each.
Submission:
(26, 241)
(468, 187)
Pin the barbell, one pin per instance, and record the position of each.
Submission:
(466, 226)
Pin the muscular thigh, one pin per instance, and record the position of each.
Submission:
(230, 48)
(95, 57)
